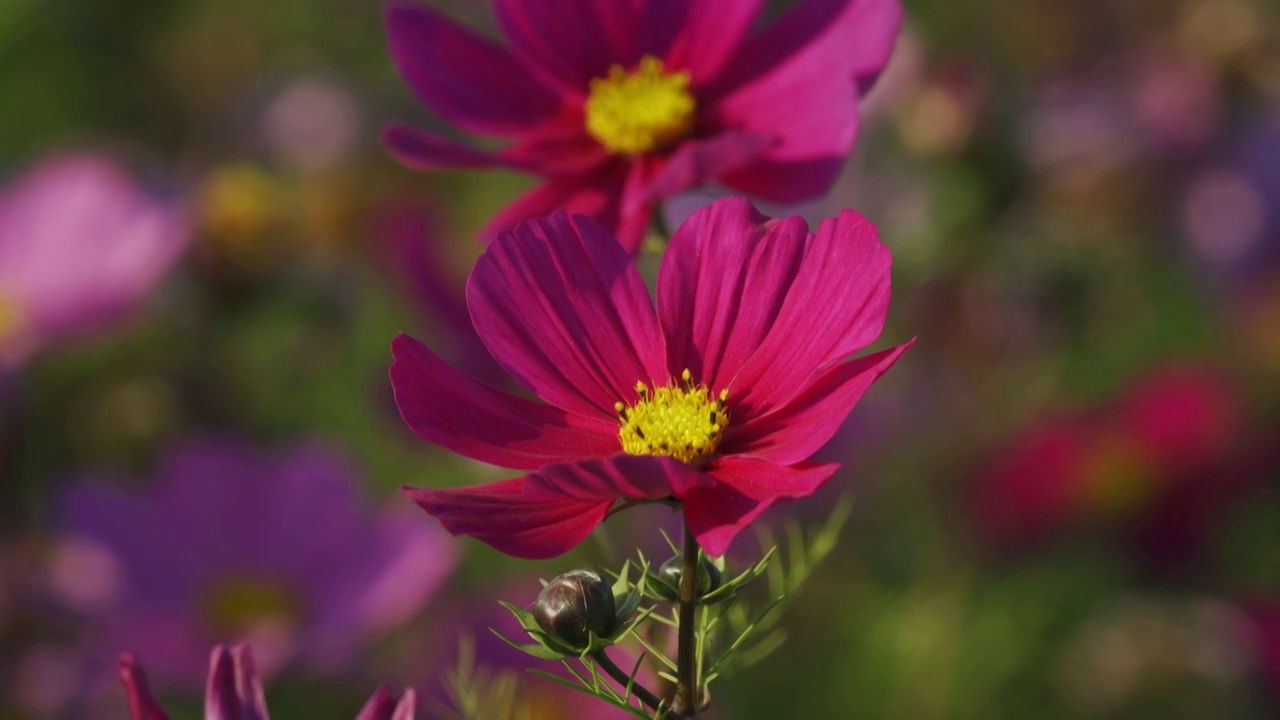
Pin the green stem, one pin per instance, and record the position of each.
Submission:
(623, 679)
(687, 670)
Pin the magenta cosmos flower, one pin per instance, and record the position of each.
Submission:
(81, 246)
(234, 691)
(717, 399)
(619, 104)
(234, 544)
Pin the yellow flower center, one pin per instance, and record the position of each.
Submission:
(10, 318)
(680, 420)
(235, 604)
(640, 111)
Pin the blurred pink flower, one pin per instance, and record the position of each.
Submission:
(1127, 459)
(618, 105)
(717, 399)
(234, 691)
(81, 246)
(234, 545)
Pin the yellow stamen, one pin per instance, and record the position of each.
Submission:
(236, 603)
(10, 318)
(680, 420)
(636, 112)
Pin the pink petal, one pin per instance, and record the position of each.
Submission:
(599, 194)
(468, 80)
(142, 703)
(563, 309)
(480, 421)
(234, 691)
(382, 705)
(500, 515)
(422, 150)
(836, 305)
(697, 161)
(569, 42)
(823, 54)
(795, 431)
(639, 477)
(746, 488)
(724, 279)
(706, 32)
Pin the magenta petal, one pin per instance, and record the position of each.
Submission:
(795, 431)
(697, 161)
(746, 487)
(568, 42)
(234, 691)
(563, 309)
(706, 33)
(500, 515)
(638, 477)
(142, 703)
(763, 480)
(825, 51)
(725, 276)
(422, 150)
(382, 705)
(468, 80)
(482, 422)
(836, 305)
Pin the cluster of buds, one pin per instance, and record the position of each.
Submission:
(234, 691)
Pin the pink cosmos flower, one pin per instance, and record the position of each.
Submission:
(617, 105)
(81, 245)
(1138, 458)
(717, 399)
(234, 691)
(236, 544)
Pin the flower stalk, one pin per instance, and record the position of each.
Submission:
(687, 672)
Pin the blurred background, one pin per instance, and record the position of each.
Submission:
(1067, 494)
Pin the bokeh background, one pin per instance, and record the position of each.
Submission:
(1067, 500)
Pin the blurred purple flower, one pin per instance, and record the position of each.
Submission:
(81, 246)
(233, 545)
(234, 691)
(619, 105)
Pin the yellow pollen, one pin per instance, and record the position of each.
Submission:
(10, 318)
(680, 420)
(636, 112)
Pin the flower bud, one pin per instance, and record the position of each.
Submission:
(672, 571)
(574, 605)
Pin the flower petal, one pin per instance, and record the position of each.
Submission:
(746, 488)
(836, 305)
(480, 421)
(724, 278)
(563, 309)
(701, 36)
(234, 691)
(422, 150)
(382, 705)
(697, 161)
(825, 51)
(568, 42)
(142, 703)
(638, 477)
(795, 431)
(468, 80)
(500, 515)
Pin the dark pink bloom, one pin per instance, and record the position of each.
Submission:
(618, 105)
(234, 691)
(1136, 458)
(81, 246)
(232, 545)
(716, 399)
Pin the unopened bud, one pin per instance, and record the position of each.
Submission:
(573, 606)
(672, 571)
